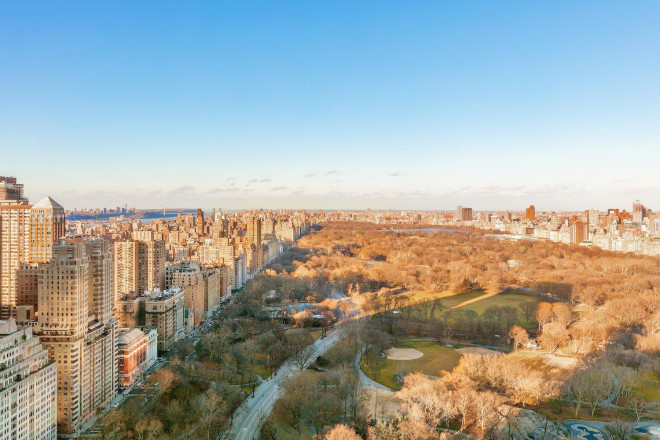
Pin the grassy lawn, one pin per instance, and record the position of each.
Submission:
(436, 358)
(283, 431)
(479, 306)
(560, 411)
(651, 389)
(534, 360)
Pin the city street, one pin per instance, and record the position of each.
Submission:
(249, 417)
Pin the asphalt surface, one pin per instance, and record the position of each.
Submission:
(249, 417)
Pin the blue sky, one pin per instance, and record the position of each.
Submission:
(342, 104)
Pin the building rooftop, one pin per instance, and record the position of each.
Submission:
(7, 327)
(47, 202)
(129, 336)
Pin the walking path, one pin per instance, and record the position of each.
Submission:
(249, 417)
(366, 381)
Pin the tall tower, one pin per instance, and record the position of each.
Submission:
(530, 213)
(14, 241)
(139, 266)
(27, 235)
(47, 227)
(254, 230)
(76, 328)
(638, 212)
(200, 223)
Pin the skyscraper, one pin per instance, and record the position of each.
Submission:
(463, 214)
(75, 325)
(200, 223)
(530, 213)
(27, 234)
(254, 251)
(139, 266)
(47, 227)
(14, 241)
(638, 212)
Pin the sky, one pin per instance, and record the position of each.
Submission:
(336, 104)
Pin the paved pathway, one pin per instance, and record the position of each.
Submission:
(366, 381)
(249, 417)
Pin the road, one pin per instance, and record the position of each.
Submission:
(255, 410)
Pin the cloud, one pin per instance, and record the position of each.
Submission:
(398, 174)
(182, 189)
(279, 188)
(331, 172)
(308, 175)
(262, 180)
(223, 189)
(230, 179)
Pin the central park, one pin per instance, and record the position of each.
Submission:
(416, 334)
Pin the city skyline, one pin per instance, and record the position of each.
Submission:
(333, 106)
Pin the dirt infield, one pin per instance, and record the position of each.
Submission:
(403, 354)
(477, 350)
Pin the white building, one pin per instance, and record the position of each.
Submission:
(28, 386)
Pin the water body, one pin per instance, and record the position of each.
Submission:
(462, 231)
(166, 217)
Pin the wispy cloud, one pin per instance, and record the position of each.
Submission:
(279, 188)
(262, 180)
(331, 172)
(398, 174)
(308, 175)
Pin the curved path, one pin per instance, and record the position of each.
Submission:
(366, 381)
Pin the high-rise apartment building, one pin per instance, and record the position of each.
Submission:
(75, 325)
(203, 288)
(164, 310)
(530, 213)
(593, 217)
(28, 386)
(579, 232)
(27, 234)
(200, 223)
(463, 214)
(47, 227)
(254, 249)
(139, 266)
(638, 212)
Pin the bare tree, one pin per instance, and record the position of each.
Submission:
(518, 336)
(561, 313)
(528, 309)
(543, 314)
(553, 336)
(588, 388)
(638, 406)
(303, 357)
(290, 410)
(341, 432)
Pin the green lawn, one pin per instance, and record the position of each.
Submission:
(436, 358)
(651, 389)
(501, 300)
